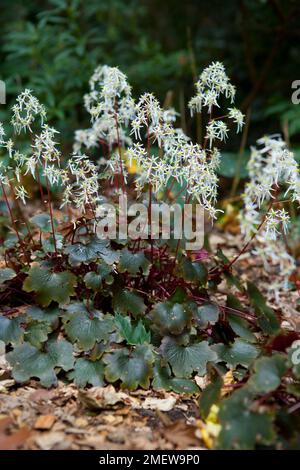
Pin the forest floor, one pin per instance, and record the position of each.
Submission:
(106, 419)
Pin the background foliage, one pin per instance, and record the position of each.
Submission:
(53, 46)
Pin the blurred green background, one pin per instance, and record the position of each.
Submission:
(53, 47)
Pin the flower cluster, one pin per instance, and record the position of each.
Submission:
(26, 109)
(111, 108)
(116, 122)
(82, 186)
(189, 164)
(44, 157)
(212, 84)
(271, 166)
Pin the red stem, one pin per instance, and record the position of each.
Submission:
(13, 222)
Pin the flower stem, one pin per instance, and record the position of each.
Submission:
(120, 155)
(13, 222)
(51, 213)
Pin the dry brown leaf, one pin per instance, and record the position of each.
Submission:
(44, 422)
(113, 420)
(5, 422)
(98, 398)
(41, 395)
(14, 440)
(181, 435)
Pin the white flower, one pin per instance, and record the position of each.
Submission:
(21, 193)
(111, 108)
(44, 146)
(213, 82)
(237, 116)
(216, 129)
(26, 109)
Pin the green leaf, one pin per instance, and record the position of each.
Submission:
(184, 360)
(241, 328)
(86, 331)
(125, 301)
(193, 271)
(229, 164)
(104, 251)
(61, 353)
(268, 372)
(49, 246)
(240, 352)
(50, 286)
(171, 317)
(266, 317)
(239, 325)
(134, 263)
(188, 386)
(207, 313)
(95, 249)
(87, 372)
(179, 296)
(241, 427)
(6, 274)
(10, 330)
(46, 315)
(210, 396)
(28, 362)
(133, 368)
(43, 222)
(163, 380)
(133, 334)
(80, 253)
(37, 333)
(95, 280)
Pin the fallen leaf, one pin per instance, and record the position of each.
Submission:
(181, 435)
(16, 439)
(44, 422)
(97, 398)
(41, 395)
(48, 440)
(162, 404)
(6, 384)
(81, 422)
(113, 420)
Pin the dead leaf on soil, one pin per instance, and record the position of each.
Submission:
(44, 422)
(50, 439)
(162, 404)
(98, 398)
(14, 440)
(181, 435)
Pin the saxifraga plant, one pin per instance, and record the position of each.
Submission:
(143, 312)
